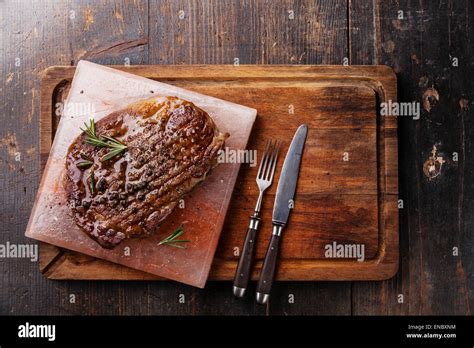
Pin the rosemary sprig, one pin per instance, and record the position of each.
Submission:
(116, 150)
(106, 141)
(171, 240)
(92, 182)
(90, 129)
(84, 164)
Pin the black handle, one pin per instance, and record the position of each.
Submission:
(268, 270)
(244, 269)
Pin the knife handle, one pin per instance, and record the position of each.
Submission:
(269, 266)
(244, 269)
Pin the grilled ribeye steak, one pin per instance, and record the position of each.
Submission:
(171, 145)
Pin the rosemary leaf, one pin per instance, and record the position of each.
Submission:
(84, 164)
(113, 141)
(96, 142)
(177, 246)
(112, 153)
(171, 240)
(90, 129)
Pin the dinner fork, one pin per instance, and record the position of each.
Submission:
(266, 172)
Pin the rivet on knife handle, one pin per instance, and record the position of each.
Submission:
(269, 266)
(244, 269)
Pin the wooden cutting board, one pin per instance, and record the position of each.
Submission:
(348, 187)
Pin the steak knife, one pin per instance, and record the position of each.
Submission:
(281, 211)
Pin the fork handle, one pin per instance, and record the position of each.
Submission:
(244, 268)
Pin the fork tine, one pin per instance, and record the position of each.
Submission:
(267, 168)
(266, 158)
(262, 159)
(270, 161)
(275, 160)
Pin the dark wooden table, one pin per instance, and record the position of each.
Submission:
(428, 43)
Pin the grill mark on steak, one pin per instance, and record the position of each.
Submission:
(171, 147)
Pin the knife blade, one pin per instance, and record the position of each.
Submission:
(281, 210)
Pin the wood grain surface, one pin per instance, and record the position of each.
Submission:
(437, 214)
(342, 201)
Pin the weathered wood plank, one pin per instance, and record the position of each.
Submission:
(320, 39)
(35, 36)
(362, 32)
(420, 43)
(321, 298)
(318, 36)
(254, 32)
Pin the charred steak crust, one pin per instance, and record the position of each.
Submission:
(171, 147)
